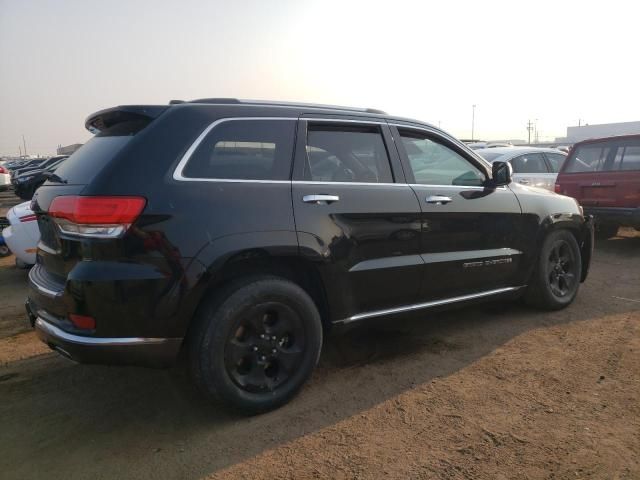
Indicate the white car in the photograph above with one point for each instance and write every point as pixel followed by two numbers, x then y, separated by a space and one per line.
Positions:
pixel 5 179
pixel 22 235
pixel 534 167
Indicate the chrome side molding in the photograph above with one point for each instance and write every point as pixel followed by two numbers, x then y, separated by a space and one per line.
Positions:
pixel 433 303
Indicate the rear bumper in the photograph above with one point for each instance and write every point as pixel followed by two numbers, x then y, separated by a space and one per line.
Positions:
pixel 626 217
pixel 150 352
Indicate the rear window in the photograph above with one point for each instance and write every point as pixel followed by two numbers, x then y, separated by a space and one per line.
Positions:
pixel 86 162
pixel 589 158
pixel 628 157
pixel 244 150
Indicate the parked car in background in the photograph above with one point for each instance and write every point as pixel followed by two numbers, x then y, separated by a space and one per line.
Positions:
pixel 243 231
pixel 5 179
pixel 604 176
pixel 27 183
pixel 534 167
pixel 24 163
pixel 22 234
pixel 43 165
pixel 4 249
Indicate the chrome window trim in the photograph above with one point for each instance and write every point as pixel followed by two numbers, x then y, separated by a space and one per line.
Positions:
pixel 178 172
pixel 433 303
pixel 105 341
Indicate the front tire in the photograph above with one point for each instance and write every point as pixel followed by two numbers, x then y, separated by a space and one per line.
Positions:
pixel 556 277
pixel 255 344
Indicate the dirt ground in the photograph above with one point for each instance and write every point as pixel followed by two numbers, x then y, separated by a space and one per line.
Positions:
pixel 498 392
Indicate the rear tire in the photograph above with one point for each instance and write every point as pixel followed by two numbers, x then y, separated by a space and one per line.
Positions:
pixel 255 344
pixel 556 277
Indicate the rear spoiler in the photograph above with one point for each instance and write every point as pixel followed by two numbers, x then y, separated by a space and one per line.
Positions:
pixel 100 121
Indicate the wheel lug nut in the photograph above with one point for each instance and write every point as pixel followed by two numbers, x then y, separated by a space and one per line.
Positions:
pixel 263 358
pixel 255 349
pixel 273 351
pixel 273 338
pixel 262 335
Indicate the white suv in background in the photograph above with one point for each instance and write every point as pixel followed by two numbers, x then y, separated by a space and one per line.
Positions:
pixel 534 167
pixel 22 235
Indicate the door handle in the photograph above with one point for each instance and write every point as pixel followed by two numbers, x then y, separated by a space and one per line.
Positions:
pixel 524 181
pixel 320 199
pixel 438 199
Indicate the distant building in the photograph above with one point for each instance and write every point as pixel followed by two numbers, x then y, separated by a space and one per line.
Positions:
pixel 583 132
pixel 69 149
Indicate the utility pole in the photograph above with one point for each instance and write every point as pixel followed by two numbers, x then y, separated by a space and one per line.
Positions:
pixel 473 121
pixel 24 143
pixel 529 130
pixel 20 150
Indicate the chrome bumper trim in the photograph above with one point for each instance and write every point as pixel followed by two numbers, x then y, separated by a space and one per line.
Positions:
pixel 434 303
pixel 105 341
pixel 43 290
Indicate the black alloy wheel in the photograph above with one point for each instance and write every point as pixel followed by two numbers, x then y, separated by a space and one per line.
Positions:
pixel 561 266
pixel 265 348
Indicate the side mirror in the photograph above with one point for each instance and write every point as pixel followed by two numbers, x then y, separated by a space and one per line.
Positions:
pixel 501 173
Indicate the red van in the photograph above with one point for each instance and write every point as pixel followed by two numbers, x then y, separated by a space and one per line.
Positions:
pixel 603 174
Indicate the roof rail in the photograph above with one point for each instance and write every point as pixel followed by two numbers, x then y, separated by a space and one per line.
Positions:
pixel 236 101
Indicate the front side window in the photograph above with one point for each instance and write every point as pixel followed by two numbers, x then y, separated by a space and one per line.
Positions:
pixel 435 164
pixel 339 153
pixel 529 163
pixel 245 150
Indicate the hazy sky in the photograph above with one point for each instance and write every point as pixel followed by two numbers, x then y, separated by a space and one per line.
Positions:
pixel 555 61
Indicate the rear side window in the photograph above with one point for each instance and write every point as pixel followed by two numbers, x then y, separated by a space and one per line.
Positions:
pixel 555 161
pixel 529 163
pixel 245 150
pixel 589 158
pixel 339 153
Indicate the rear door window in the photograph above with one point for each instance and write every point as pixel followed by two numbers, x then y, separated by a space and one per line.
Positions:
pixel 245 150
pixel 529 163
pixel 346 153
pixel 555 161
pixel 590 158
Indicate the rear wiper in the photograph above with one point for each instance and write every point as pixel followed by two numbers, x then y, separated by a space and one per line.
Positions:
pixel 52 177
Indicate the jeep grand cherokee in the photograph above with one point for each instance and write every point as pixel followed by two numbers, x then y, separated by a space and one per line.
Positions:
pixel 240 232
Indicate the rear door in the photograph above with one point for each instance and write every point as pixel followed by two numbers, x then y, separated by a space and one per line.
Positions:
pixel 471 235
pixel 604 174
pixel 531 169
pixel 356 217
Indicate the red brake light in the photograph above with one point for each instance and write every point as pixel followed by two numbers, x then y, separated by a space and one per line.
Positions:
pixel 3 170
pixel 82 321
pixel 557 188
pixel 104 217
pixel 28 218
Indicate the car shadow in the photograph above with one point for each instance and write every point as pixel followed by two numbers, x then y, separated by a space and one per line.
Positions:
pixel 62 419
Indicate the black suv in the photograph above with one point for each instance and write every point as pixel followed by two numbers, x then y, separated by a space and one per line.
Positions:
pixel 240 232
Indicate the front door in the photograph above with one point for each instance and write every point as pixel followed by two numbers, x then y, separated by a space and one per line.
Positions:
pixel 471 237
pixel 357 219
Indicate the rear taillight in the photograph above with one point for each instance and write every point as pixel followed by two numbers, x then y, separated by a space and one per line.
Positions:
pixel 557 188
pixel 83 322
pixel 95 217
pixel 3 170
pixel 28 218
